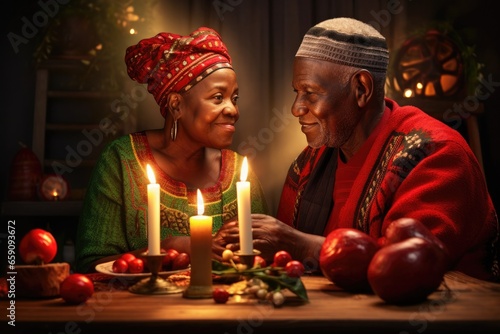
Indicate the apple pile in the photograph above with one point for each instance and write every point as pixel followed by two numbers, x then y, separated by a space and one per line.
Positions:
pixel 175 260
pixel 404 267
pixel 130 264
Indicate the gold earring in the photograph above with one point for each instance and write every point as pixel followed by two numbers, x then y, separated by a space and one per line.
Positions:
pixel 173 130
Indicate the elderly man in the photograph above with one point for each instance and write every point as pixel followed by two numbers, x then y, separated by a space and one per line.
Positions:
pixel 370 161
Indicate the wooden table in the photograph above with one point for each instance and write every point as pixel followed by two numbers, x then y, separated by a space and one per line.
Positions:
pixel 466 306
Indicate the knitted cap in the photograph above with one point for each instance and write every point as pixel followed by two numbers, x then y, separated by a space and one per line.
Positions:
pixel 173 63
pixel 346 41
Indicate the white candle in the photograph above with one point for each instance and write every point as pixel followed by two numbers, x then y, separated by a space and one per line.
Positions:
pixel 244 211
pixel 153 214
pixel 201 247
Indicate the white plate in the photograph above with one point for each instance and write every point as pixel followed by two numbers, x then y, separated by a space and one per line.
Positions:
pixel 107 268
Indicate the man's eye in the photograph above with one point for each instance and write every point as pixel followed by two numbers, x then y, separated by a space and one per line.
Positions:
pixel 235 98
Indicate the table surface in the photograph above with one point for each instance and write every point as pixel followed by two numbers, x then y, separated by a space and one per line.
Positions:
pixel 461 305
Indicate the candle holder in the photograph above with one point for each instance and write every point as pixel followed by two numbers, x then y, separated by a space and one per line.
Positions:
pixel 198 291
pixel 247 259
pixel 154 285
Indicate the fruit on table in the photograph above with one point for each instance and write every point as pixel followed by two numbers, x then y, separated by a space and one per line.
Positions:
pixel 281 258
pixel 182 261
pixel 259 261
pixel 168 259
pixel 76 289
pixel 38 246
pixel 277 298
pixel 345 256
pixel 408 271
pixel 136 266
pixel 128 257
pixel 220 295
pixel 404 228
pixel 294 268
pixel 120 266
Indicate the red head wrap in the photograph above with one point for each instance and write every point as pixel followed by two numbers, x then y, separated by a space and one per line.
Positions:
pixel 172 63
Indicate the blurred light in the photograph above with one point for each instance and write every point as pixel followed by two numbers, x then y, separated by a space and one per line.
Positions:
pixel 133 31
pixel 408 93
pixel 419 85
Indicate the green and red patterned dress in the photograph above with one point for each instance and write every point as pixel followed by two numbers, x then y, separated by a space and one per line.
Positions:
pixel 114 215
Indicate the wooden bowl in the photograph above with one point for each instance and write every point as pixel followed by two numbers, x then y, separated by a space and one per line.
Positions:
pixel 40 281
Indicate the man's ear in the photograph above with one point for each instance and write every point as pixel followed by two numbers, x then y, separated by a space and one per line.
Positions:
pixel 174 101
pixel 364 87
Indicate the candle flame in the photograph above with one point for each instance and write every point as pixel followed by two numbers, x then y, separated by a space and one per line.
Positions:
pixel 201 205
pixel 54 193
pixel 151 174
pixel 244 170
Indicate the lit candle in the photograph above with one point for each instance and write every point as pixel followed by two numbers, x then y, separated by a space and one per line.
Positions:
pixel 244 211
pixel 200 284
pixel 55 195
pixel 153 213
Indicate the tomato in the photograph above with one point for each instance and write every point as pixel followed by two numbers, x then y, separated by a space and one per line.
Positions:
pixel 170 255
pixel 136 266
pixel 181 261
pixel 281 258
pixel 37 247
pixel 120 266
pixel 128 257
pixel 76 289
pixel 294 268
pixel 407 272
pixel 345 256
pixel 220 295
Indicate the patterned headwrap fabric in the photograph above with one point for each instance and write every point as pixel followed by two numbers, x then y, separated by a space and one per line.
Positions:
pixel 346 41
pixel 169 62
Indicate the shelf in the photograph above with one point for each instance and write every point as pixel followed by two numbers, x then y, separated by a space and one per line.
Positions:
pixel 42 208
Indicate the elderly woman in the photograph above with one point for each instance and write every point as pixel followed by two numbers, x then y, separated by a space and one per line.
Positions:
pixel 195 86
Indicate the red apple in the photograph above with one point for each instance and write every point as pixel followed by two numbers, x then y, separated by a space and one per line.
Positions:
pixel 407 272
pixel 119 266
pixel 38 247
pixel 345 256
pixel 168 259
pixel 128 257
pixel 136 266
pixel 181 261
pixel 281 258
pixel 76 289
pixel 405 228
